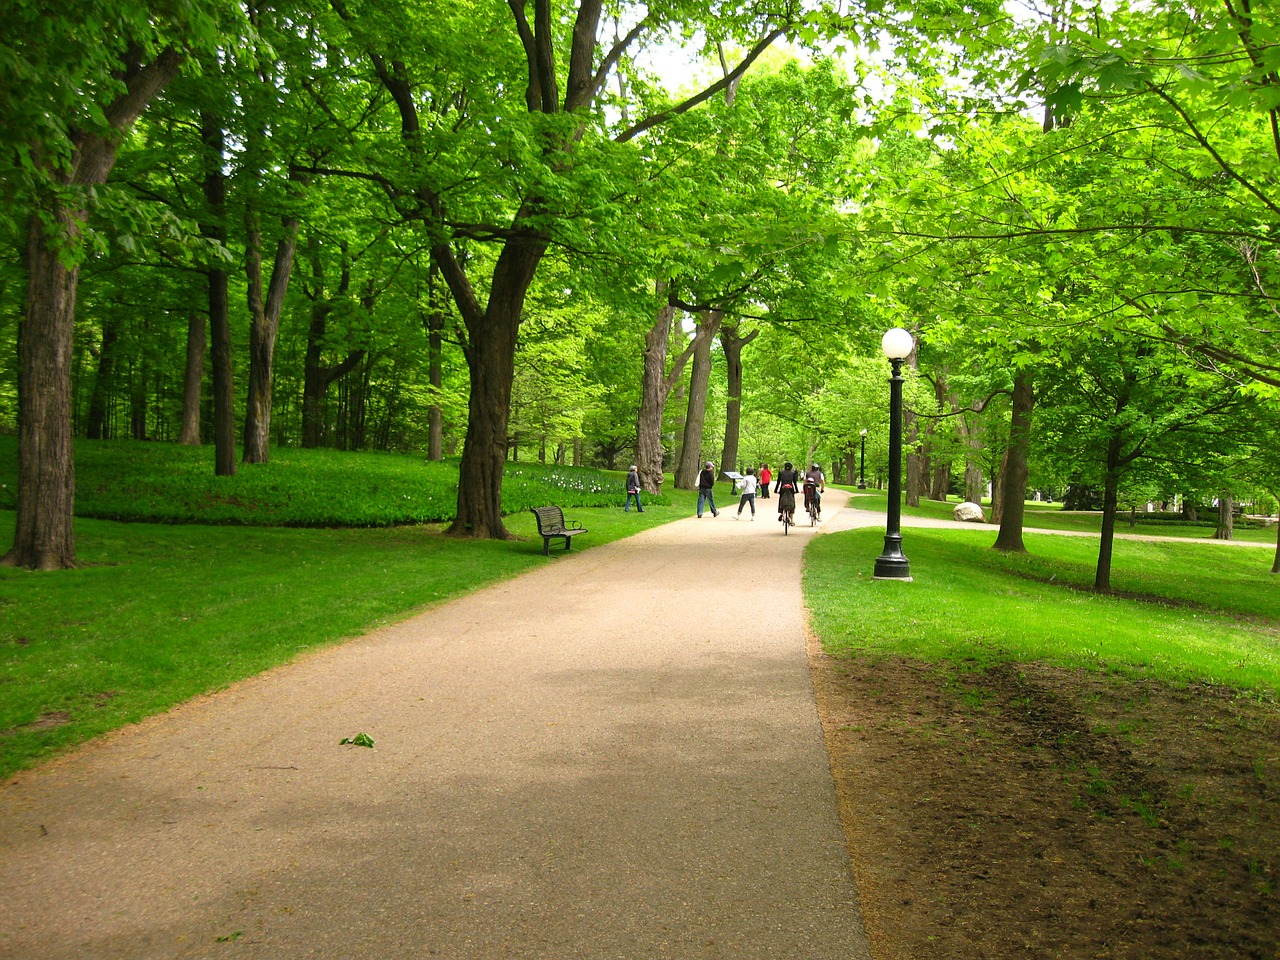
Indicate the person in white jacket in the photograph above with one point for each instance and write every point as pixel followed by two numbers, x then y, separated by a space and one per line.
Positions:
pixel 748 487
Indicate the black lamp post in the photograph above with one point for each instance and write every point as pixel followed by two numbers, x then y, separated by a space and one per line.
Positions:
pixel 862 463
pixel 897 345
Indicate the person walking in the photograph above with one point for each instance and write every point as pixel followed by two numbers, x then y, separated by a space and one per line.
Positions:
pixel 766 477
pixel 748 493
pixel 785 486
pixel 707 489
pixel 633 489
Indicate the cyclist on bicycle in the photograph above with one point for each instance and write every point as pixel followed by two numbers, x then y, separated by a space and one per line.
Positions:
pixel 785 486
pixel 815 485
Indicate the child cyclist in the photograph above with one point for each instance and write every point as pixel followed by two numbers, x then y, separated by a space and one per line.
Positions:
pixel 815 485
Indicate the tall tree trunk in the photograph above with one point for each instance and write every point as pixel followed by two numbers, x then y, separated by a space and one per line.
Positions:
pixel 940 482
pixel 1110 504
pixel 971 437
pixel 138 398
pixel 1226 518
pixel 222 372
pixel 678 397
pixel 358 435
pixel 971 441
pixel 264 324
pixel 732 345
pixel 1014 473
pixel 1275 565
pixel 490 352
pixel 915 485
pixel 699 382
pixel 313 373
pixel 313 383
pixel 940 472
pixel 1117 460
pixel 316 377
pixel 655 389
pixel 997 490
pixel 435 369
pixel 193 376
pixel 96 426
pixel 222 375
pixel 43 538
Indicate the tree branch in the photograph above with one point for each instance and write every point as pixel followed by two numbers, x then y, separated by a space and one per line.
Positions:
pixel 728 80
pixel 1203 140
pixel 532 92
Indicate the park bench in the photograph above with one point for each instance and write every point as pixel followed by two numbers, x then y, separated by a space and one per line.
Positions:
pixel 551 524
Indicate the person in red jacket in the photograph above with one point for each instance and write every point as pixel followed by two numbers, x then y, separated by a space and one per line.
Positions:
pixel 766 478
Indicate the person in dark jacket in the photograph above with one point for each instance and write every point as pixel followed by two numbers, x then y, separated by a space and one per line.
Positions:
pixel 633 490
pixel 785 486
pixel 707 489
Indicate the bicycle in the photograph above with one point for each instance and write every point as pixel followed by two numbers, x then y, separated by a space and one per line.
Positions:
pixel 787 515
pixel 811 505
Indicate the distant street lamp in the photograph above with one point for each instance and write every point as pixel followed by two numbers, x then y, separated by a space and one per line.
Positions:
pixel 862 463
pixel 897 345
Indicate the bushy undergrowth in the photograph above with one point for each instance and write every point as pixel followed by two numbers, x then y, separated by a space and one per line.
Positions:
pixel 167 483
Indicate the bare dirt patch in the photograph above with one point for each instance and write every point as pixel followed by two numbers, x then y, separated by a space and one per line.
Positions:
pixel 1035 812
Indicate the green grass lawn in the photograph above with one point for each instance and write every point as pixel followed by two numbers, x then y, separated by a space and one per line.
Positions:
pixel 1182 612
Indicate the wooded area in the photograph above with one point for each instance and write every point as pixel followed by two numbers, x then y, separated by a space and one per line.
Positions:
pixel 518 231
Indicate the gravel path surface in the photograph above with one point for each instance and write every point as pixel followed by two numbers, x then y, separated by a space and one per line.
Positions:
pixel 617 755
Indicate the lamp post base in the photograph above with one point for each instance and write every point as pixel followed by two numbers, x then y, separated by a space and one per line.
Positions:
pixel 892 564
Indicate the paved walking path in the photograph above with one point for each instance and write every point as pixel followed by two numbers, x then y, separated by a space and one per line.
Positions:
pixel 617 755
